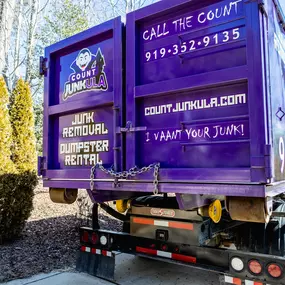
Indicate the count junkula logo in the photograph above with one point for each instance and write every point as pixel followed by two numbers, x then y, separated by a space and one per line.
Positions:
pixel 88 74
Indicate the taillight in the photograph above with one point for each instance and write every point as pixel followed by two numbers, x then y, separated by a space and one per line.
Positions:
pixel 237 264
pixel 274 270
pixel 85 236
pixel 94 238
pixel 103 240
pixel 255 267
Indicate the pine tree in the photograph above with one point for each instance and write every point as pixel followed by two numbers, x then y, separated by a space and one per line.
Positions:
pixel 6 164
pixel 22 120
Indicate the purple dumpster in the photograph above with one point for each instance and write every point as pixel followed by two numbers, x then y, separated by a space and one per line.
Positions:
pixel 186 98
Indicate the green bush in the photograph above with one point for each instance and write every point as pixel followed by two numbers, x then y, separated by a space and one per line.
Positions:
pixel 16 203
pixel 22 120
pixel 18 179
pixel 6 164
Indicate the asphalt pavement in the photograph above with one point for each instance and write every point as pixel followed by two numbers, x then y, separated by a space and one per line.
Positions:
pixel 130 270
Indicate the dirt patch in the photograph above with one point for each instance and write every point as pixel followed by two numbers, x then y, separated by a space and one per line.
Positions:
pixel 50 240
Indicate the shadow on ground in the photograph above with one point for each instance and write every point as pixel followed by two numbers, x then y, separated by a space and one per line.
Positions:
pixel 45 245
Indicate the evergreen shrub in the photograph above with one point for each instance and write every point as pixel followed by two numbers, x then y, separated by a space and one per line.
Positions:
pixel 16 203
pixel 23 135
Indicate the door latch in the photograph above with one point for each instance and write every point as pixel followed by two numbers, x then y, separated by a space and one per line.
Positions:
pixel 129 128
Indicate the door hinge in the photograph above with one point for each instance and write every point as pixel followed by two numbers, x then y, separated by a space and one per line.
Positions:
pixel 41 165
pixel 268 162
pixel 43 66
pixel 129 128
pixel 261 5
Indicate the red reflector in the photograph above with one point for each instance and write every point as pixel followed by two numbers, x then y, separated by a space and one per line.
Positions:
pixel 146 250
pixel 274 270
pixel 237 281
pixel 181 226
pixel 94 238
pixel 85 236
pixel 143 221
pixel 164 247
pixel 255 267
pixel 83 248
pixel 184 258
pixel 176 249
pixel 104 252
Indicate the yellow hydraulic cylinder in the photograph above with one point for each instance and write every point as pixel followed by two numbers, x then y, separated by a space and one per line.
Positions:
pixel 215 211
pixel 122 205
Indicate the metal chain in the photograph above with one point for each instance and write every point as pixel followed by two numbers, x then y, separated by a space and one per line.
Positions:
pixel 92 177
pixel 134 171
pixel 155 180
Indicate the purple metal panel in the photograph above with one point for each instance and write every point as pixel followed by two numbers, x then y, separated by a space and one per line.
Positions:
pixel 229 175
pixel 100 99
pixel 180 188
pixel 256 102
pixel 86 140
pixel 83 93
pixel 103 196
pixel 237 74
pixel 184 59
pixel 276 54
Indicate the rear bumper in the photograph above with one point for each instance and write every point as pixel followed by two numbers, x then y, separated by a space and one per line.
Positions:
pixel 204 258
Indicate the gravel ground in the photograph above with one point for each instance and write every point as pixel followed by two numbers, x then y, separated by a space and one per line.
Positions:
pixel 50 240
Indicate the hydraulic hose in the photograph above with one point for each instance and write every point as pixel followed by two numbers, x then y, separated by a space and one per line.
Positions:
pixel 113 212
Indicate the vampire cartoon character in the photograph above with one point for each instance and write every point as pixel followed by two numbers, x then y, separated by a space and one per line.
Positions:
pixel 84 61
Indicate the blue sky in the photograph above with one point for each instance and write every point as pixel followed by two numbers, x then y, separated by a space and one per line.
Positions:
pixel 282 4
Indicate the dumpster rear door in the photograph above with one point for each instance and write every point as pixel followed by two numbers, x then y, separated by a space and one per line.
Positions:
pixel 195 94
pixel 83 101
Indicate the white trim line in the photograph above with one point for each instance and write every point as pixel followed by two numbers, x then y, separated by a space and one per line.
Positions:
pixel 161 223
pixel 164 254
pixel 229 279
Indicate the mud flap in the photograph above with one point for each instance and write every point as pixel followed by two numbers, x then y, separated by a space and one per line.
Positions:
pixel 97 263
